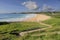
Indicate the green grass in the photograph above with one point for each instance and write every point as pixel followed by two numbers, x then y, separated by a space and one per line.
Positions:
pixel 18 26
pixel 53 21
pixel 47 34
pixel 45 37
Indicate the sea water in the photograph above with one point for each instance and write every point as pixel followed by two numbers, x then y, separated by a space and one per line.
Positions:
pixel 14 17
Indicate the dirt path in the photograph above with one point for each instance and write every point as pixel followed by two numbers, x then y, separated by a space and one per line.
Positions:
pixel 46 33
pixel 37 18
pixel 45 24
pixel 26 32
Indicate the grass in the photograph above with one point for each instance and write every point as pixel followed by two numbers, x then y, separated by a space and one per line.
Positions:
pixel 20 26
pixel 48 34
pixel 52 21
pixel 17 27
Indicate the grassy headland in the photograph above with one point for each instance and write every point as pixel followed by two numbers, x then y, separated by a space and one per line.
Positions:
pixel 10 31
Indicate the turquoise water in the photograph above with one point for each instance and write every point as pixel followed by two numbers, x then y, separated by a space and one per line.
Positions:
pixel 14 17
pixel 7 16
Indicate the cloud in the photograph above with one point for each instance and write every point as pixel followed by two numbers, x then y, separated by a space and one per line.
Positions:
pixel 23 3
pixel 47 8
pixel 30 5
pixel 44 7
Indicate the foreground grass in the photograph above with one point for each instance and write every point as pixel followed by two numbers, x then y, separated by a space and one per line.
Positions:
pixel 16 27
pixel 20 26
pixel 48 34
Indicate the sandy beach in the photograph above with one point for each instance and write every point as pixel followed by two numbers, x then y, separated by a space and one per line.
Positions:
pixel 37 18
pixel 29 18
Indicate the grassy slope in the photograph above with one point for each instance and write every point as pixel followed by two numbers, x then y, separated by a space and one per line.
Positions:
pixel 18 26
pixel 48 34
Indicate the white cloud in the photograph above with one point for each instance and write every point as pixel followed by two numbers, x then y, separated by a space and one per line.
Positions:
pixel 44 7
pixel 23 3
pixel 47 8
pixel 30 5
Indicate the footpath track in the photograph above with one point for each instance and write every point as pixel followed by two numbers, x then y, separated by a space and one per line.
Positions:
pixel 26 32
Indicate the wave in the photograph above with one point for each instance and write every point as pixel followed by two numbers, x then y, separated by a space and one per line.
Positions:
pixel 18 18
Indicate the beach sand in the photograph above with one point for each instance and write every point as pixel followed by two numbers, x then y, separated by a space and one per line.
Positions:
pixel 37 18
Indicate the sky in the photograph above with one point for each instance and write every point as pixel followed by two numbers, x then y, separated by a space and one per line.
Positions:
pixel 11 6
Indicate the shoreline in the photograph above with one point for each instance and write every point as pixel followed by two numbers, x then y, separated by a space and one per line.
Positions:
pixel 28 18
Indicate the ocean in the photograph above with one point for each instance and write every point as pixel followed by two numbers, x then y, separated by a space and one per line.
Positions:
pixel 14 17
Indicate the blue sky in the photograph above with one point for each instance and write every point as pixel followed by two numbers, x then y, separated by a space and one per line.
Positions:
pixel 9 6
